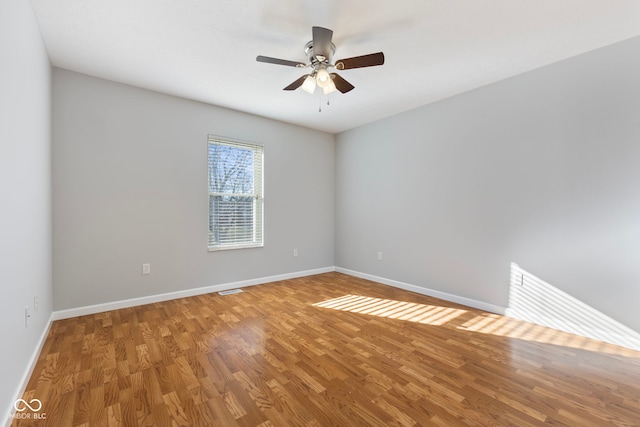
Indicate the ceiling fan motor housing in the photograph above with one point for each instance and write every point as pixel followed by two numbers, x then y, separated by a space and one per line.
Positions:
pixel 317 61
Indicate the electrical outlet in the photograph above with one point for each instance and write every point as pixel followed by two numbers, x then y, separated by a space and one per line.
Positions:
pixel 295 252
pixel 27 315
pixel 146 268
pixel 379 256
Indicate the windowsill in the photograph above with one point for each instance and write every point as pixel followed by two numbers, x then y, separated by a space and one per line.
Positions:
pixel 227 248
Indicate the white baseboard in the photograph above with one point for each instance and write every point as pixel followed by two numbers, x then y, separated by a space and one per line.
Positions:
pixel 426 291
pixel 115 305
pixel 33 360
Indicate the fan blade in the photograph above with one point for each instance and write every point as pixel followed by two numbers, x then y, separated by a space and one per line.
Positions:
pixel 295 85
pixel 277 61
pixel 341 84
pixel 322 41
pixel 360 61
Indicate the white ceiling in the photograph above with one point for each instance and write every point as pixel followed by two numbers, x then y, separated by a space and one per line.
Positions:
pixel 205 50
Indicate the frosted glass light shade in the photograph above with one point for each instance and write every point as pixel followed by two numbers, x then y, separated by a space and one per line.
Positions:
pixel 309 84
pixel 331 87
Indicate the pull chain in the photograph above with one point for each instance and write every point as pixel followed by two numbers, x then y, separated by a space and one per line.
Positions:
pixel 320 103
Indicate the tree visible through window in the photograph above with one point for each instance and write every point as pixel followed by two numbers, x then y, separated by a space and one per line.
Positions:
pixel 235 194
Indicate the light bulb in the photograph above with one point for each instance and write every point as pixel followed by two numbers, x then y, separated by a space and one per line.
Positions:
pixel 323 78
pixel 309 84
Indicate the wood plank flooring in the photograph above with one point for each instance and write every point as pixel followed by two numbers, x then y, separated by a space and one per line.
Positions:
pixel 325 350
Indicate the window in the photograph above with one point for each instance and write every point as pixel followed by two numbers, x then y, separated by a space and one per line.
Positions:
pixel 235 194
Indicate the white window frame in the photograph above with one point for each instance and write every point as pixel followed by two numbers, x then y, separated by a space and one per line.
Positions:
pixel 255 237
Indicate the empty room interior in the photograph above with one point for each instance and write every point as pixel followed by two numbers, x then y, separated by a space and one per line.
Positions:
pixel 436 222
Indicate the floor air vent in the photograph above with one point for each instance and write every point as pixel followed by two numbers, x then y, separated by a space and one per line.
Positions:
pixel 230 292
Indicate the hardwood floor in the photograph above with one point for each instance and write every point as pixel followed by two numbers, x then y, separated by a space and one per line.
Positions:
pixel 326 350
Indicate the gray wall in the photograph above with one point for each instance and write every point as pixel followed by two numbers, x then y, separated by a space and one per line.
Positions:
pixel 541 170
pixel 25 193
pixel 130 187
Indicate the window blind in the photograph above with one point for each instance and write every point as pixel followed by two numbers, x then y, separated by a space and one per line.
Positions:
pixel 235 194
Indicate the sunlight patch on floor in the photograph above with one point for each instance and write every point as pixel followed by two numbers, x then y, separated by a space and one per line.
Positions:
pixel 498 325
pixel 392 309
pixel 485 323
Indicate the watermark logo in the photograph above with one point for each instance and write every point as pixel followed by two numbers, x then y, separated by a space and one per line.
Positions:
pixel 21 405
pixel 34 405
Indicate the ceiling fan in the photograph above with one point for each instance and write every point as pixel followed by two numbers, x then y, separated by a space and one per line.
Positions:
pixel 320 52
